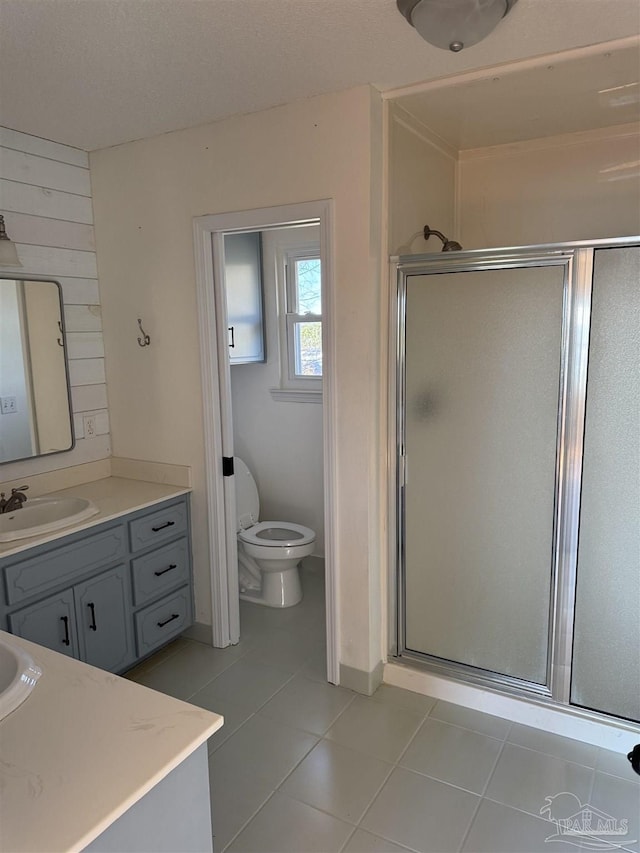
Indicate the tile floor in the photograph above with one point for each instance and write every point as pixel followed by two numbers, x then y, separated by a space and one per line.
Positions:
pixel 302 766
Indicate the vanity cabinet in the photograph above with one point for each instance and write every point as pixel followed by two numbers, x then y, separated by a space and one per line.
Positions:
pixel 90 621
pixel 109 595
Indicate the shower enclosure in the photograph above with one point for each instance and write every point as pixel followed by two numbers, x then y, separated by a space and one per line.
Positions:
pixel 518 470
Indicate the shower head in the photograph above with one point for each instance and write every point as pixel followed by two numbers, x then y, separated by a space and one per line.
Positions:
pixel 447 245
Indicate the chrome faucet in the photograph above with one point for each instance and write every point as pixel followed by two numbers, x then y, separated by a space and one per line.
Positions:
pixel 15 501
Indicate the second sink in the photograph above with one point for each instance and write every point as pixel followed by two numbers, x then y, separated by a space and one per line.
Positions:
pixel 18 675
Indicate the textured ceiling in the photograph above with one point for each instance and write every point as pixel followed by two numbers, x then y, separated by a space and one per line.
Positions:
pixel 94 73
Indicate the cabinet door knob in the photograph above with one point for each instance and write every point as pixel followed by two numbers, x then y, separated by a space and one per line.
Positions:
pixel 65 621
pixel 168 569
pixel 92 626
pixel 170 619
pixel 232 343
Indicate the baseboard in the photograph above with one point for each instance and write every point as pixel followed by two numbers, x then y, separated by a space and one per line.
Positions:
pixel 200 632
pixel 360 680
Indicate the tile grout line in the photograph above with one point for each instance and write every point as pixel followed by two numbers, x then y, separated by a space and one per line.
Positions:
pixel 248 821
pixel 279 784
pixel 266 702
pixel 233 663
pixel 394 766
pixel 468 830
pixel 481 798
pixel 550 755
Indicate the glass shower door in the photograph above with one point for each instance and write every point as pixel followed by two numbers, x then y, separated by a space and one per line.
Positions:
pixel 481 382
pixel 606 650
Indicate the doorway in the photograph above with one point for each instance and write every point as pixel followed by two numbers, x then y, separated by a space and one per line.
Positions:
pixel 209 235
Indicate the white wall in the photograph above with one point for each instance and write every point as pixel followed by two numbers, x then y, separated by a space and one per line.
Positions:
pixel 578 186
pixel 281 442
pixel 45 197
pixel 422 184
pixel 146 195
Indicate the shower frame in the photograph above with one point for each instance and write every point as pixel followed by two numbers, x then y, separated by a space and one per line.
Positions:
pixel 577 260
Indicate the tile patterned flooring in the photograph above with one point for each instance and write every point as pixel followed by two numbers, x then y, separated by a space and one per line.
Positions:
pixel 302 766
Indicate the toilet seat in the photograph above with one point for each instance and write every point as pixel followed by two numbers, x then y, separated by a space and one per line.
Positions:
pixel 277 534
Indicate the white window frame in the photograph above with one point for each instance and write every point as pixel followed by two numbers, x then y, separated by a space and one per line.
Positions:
pixel 294 388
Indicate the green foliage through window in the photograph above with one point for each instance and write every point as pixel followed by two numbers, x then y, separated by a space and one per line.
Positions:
pixel 309 286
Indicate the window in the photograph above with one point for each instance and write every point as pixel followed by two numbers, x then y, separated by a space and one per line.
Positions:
pixel 293 267
pixel 304 317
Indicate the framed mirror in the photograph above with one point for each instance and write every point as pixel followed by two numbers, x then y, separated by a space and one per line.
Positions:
pixel 35 396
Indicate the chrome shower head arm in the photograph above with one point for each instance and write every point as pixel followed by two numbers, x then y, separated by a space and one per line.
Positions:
pixel 431 232
pixel 447 244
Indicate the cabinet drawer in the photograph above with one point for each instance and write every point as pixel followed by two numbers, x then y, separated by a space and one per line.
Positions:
pixel 160 571
pixel 61 565
pixel 158 526
pixel 161 622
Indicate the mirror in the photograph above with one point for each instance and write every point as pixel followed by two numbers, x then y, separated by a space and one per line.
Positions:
pixel 35 398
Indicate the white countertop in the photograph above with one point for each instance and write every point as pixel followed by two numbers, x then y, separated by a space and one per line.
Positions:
pixel 114 497
pixel 84 747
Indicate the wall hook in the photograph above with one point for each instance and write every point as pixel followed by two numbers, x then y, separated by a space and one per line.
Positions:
pixel 60 341
pixel 145 340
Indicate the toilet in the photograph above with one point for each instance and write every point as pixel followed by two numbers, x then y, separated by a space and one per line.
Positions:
pixel 268 551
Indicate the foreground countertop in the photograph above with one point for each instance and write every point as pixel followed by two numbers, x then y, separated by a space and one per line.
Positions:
pixel 114 497
pixel 82 749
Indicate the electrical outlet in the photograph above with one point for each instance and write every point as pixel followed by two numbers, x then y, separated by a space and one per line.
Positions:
pixel 8 405
pixel 89 423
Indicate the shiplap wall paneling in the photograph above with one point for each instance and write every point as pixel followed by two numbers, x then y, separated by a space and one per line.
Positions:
pixel 45 197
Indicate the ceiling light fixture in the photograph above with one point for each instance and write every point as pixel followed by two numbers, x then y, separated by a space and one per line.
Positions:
pixel 454 24
pixel 8 251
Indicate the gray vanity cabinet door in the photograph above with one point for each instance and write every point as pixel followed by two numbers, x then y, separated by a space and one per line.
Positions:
pixel 103 612
pixel 50 623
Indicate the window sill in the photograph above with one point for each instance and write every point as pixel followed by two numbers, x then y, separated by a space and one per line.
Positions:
pixel 287 395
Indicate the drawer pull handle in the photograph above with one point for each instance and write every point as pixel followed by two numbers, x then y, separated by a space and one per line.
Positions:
pixel 66 641
pixel 92 626
pixel 170 619
pixel 162 526
pixel 168 569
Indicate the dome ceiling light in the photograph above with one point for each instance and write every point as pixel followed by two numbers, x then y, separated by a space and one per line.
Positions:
pixel 454 24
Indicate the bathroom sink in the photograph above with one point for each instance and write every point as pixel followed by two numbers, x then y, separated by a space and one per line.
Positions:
pixel 18 676
pixel 43 515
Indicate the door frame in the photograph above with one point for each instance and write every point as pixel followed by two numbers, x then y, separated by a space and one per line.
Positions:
pixel 208 234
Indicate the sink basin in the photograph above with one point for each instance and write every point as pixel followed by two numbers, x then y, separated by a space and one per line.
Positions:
pixel 18 676
pixel 43 515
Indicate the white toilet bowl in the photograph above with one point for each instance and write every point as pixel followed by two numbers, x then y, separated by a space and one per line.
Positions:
pixel 268 551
